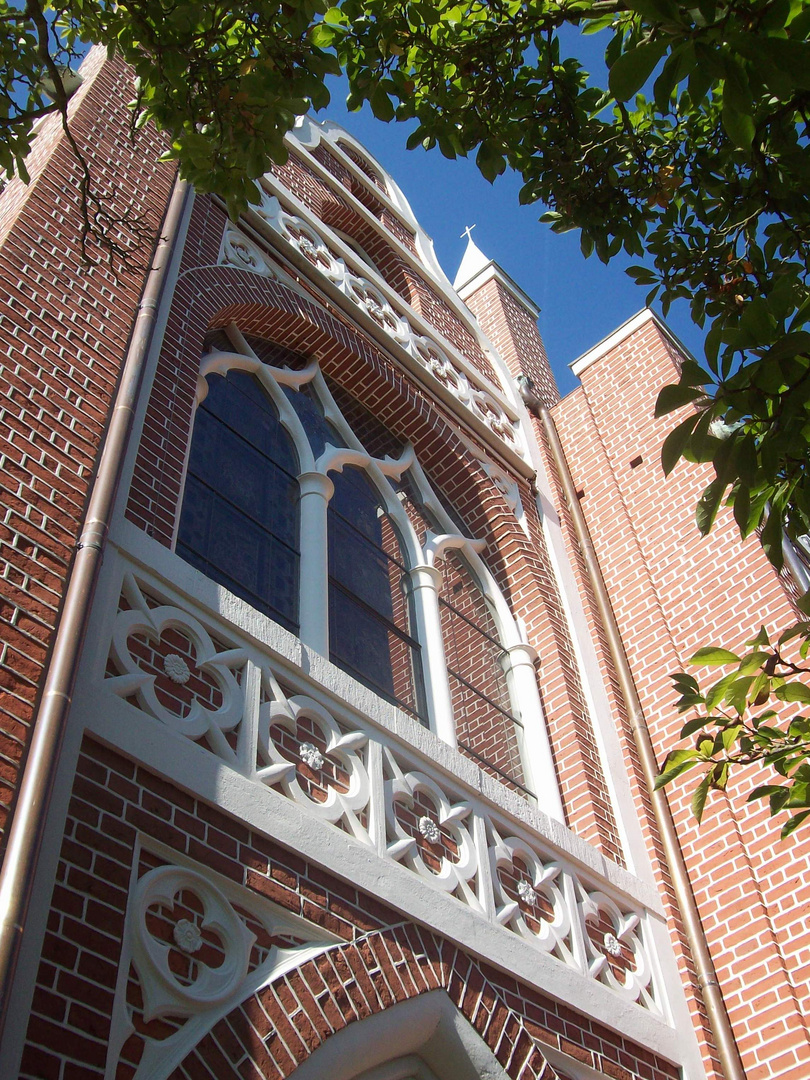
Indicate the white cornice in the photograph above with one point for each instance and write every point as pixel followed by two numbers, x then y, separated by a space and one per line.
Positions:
pixel 641 318
pixel 487 273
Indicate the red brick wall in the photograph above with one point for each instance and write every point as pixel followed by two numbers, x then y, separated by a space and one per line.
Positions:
pixel 673 592
pixel 383 960
pixel 512 329
pixel 59 371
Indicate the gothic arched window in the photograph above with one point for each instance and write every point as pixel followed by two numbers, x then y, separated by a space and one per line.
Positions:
pixel 369 617
pixel 487 728
pixel 301 502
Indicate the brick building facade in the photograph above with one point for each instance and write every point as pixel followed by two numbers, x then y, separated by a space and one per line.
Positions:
pixel 324 768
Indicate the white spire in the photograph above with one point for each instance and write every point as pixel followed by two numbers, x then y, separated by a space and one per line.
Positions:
pixel 473 263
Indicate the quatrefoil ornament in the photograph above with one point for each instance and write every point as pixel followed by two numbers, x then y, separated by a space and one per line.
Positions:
pixel 164 994
pixel 616 951
pixel 150 624
pixel 339 753
pixel 413 792
pixel 528 894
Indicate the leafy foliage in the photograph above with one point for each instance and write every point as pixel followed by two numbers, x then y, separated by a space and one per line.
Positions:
pixel 693 154
pixel 226 82
pixel 741 719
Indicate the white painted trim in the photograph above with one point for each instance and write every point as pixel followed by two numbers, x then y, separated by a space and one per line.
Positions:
pixel 493 271
pixel 424 1038
pixel 347 699
pixel 634 323
pixel 197 771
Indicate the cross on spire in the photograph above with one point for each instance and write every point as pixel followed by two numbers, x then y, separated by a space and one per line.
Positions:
pixel 468 232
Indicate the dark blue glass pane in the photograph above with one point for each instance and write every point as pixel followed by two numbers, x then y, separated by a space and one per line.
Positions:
pixel 359 642
pixel 242 404
pixel 239 522
pixel 357 501
pixel 360 567
pixel 319 430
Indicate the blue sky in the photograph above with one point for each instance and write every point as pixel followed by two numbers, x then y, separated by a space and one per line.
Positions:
pixel 581 300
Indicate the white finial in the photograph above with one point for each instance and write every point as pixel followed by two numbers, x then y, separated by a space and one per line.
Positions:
pixel 467 232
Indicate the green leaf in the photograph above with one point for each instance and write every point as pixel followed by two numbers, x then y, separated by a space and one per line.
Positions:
pixel 676 441
pixel 764 791
pixel 671 771
pixel 675 396
pixel 794 823
pixel 753 662
pixel 709 504
pixel 632 69
pixel 793 692
pixel 697 724
pixel 381 104
pixel 699 797
pixel 739 126
pixel 713 657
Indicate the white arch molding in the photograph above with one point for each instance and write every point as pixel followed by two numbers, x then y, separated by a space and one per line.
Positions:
pixel 425 1038
pixel 423 561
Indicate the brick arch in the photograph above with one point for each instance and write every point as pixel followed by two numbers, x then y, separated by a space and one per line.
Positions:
pixel 339 215
pixel 211 296
pixel 276 1029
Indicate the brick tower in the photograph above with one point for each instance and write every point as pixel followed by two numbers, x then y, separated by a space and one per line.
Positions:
pixel 315 759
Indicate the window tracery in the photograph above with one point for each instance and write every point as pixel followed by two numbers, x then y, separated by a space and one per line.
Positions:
pixel 372 572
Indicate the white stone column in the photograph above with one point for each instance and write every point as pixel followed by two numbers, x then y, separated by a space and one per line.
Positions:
pixel 313 572
pixel 426 582
pixel 522 679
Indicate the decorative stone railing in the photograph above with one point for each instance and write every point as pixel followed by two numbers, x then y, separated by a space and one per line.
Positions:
pixel 262 720
pixel 238 250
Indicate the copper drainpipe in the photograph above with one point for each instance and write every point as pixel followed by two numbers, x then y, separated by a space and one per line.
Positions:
pixel 719 1023
pixel 28 824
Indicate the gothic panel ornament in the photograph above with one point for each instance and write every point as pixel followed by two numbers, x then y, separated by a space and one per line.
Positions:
pixel 426 832
pixel 237 250
pixel 208 700
pixel 197 947
pixel 615 951
pixel 529 895
pixel 355 777
pixel 303 751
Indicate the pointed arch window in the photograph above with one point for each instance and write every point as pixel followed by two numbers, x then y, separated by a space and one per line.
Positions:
pixel 369 607
pixel 298 500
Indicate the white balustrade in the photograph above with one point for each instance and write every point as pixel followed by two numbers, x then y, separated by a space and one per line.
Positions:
pixel 371 788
